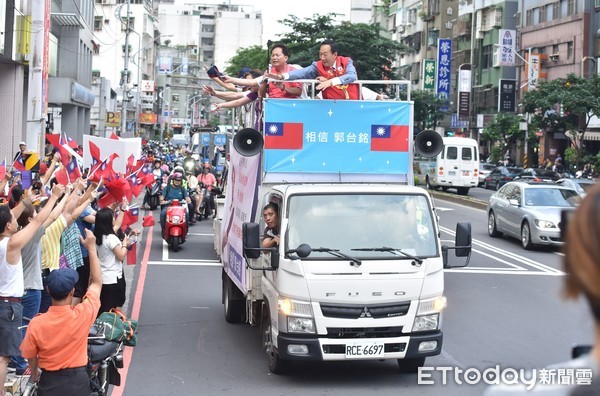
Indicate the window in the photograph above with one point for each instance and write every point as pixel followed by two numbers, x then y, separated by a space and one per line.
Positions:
pixel 131 24
pixel 569 50
pixel 434 7
pixel 432 37
pixel 529 18
pixel 555 49
pixel 467 154
pixel 175 98
pixel 95 49
pixel 597 3
pixel 97 23
pixel 556 10
pixel 571 7
pixel 452 153
pixel 543 14
pixel 488 57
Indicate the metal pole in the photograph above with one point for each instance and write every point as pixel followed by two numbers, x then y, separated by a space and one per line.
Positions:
pixel 138 99
pixel 125 78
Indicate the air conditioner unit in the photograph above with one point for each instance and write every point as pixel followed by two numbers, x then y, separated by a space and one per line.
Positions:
pixel 553 57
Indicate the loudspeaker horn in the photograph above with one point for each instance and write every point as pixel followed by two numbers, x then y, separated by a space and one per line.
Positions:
pixel 429 143
pixel 248 142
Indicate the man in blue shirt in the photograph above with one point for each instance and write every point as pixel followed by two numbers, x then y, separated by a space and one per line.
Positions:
pixel 174 190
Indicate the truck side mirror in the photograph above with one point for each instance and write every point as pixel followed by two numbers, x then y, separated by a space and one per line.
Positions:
pixel 462 245
pixel 463 239
pixel 303 250
pixel 251 240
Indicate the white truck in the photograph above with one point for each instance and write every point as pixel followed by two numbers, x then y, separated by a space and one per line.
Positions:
pixel 359 271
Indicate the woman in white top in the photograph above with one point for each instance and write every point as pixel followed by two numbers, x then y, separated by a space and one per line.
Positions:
pixel 111 252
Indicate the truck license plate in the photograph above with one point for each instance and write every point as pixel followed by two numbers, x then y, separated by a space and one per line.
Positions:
pixel 364 349
pixel 451 173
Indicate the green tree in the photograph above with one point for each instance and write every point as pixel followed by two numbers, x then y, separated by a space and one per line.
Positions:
pixel 252 57
pixel 504 131
pixel 428 109
pixel 565 105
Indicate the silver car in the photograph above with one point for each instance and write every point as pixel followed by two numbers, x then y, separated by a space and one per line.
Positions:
pixel 530 211
pixel 582 186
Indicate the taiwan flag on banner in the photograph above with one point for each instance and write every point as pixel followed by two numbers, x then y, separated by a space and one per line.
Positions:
pixel 389 138
pixel 284 135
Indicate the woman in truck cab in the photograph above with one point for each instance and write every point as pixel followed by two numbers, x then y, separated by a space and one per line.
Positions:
pixel 271 218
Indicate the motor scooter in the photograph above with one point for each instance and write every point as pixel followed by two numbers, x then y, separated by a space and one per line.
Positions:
pixel 205 206
pixel 176 225
pixel 154 192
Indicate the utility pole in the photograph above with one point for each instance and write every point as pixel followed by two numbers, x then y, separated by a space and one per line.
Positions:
pixel 125 76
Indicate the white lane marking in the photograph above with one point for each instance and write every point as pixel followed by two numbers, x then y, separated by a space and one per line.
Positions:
pixel 521 259
pixel 201 234
pixel 442 209
pixel 499 271
pixel 199 307
pixel 197 263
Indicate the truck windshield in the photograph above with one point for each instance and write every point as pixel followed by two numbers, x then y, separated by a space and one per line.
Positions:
pixel 348 221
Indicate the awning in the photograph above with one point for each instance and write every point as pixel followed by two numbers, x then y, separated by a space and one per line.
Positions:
pixel 591 135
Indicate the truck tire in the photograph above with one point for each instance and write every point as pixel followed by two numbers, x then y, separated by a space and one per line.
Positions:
pixel 233 302
pixel 276 364
pixel 411 366
pixel 462 190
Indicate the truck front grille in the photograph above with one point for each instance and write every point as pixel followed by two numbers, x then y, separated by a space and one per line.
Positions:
pixel 364 332
pixel 376 311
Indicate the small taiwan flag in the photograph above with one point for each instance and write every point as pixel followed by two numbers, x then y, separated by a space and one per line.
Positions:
pixel 389 138
pixel 130 217
pixel 284 135
pixel 132 254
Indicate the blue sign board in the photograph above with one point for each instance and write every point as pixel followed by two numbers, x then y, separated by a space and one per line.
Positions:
pixel 442 86
pixel 220 139
pixel 205 138
pixel 341 136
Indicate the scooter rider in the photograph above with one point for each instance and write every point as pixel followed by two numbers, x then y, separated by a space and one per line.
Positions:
pixel 174 190
pixel 158 173
pixel 209 180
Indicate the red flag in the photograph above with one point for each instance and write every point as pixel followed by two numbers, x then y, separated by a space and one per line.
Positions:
pixel 103 169
pixel 130 164
pixel 114 136
pixel 135 184
pixel 71 142
pixel 62 177
pixel 73 169
pixel 131 217
pixel 119 189
pixel 148 221
pixel 95 153
pixel 2 170
pixel 284 135
pixel 19 163
pixel 389 137
pixel 106 200
pixel 132 254
pixel 54 139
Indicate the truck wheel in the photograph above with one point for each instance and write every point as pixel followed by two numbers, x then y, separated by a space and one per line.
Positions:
pixel 276 365
pixel 411 366
pixel 233 302
pixel 462 190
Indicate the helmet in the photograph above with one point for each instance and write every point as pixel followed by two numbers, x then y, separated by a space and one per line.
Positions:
pixel 177 176
pixel 179 169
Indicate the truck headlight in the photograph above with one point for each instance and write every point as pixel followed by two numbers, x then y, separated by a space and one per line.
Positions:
pixel 300 325
pixel 426 322
pixel 296 315
pixel 545 224
pixel 432 305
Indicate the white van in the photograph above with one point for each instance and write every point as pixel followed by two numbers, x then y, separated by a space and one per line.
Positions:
pixel 456 166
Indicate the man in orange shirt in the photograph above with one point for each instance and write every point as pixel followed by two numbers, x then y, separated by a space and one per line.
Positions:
pixel 56 341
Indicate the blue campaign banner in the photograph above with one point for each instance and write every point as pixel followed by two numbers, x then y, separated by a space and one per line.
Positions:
pixel 220 139
pixel 342 136
pixel 205 139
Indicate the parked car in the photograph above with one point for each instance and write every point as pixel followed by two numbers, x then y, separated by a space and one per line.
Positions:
pixel 500 176
pixel 484 170
pixel 530 211
pixel 538 175
pixel 582 186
